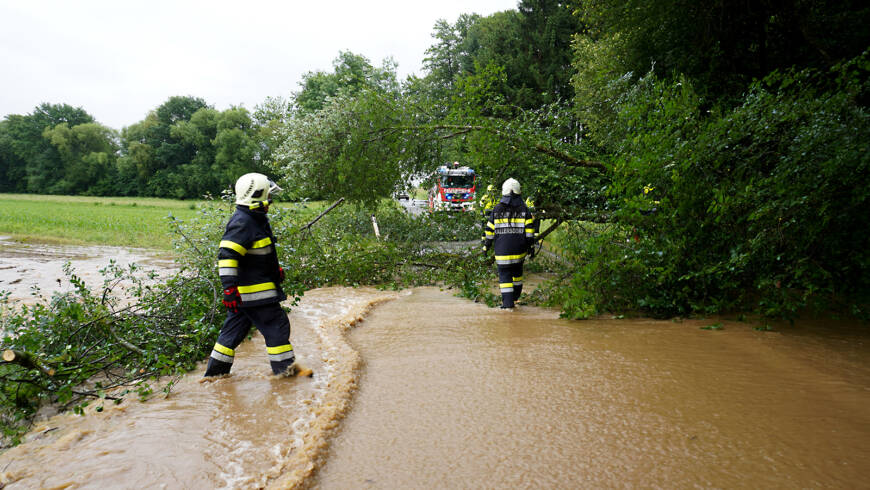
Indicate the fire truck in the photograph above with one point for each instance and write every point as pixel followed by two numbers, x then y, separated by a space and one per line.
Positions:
pixel 454 188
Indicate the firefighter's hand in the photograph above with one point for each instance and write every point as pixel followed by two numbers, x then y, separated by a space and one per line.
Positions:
pixel 281 274
pixel 232 299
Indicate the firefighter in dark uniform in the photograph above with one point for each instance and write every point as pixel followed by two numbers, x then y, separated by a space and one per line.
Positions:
pixel 510 233
pixel 536 226
pixel 251 279
pixel 487 202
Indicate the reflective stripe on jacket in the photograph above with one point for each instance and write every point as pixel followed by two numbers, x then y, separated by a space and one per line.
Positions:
pixel 511 230
pixel 247 258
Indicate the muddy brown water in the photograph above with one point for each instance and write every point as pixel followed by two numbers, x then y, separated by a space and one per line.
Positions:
pixel 29 267
pixel 421 389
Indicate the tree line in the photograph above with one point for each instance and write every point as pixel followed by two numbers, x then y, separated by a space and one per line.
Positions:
pixel 183 149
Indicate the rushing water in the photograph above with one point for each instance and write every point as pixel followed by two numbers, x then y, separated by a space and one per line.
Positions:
pixel 433 391
pixel 249 430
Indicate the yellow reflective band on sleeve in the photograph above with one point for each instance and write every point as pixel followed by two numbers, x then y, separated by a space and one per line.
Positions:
pixel 233 246
pixel 530 230
pixel 490 225
pixel 228 263
pixel 256 288
pixel 530 221
pixel 279 349
pixel 262 243
pixel 224 350
pixel 505 285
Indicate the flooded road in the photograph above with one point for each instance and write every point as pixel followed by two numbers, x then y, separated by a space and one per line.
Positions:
pixel 420 389
pixel 457 395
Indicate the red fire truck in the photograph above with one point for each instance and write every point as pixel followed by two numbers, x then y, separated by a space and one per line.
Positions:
pixel 454 188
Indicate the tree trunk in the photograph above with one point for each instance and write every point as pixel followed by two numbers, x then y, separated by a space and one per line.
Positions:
pixel 26 360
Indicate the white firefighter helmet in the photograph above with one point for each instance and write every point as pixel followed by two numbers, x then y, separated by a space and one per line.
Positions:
pixel 253 190
pixel 510 186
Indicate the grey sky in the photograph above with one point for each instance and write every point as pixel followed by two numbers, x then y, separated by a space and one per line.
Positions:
pixel 119 59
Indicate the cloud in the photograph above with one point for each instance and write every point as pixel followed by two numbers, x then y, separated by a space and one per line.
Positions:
pixel 118 60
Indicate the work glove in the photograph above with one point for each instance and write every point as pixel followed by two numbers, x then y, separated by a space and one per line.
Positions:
pixel 232 299
pixel 281 274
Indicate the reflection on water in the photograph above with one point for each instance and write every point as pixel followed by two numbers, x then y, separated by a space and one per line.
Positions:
pixel 435 391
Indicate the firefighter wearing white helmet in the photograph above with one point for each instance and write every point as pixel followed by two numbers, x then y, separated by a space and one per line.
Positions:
pixel 510 233
pixel 251 279
pixel 253 190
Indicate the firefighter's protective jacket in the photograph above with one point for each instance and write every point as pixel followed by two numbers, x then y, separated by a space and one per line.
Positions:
pixel 510 230
pixel 536 224
pixel 487 203
pixel 247 258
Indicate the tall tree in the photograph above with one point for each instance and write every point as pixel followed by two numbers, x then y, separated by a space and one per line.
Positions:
pixel 451 55
pixel 268 119
pixel 311 160
pixel 351 74
pixel 88 153
pixel 546 28
pixel 30 161
pixel 235 146
pixel 726 44
pixel 13 167
pixel 150 147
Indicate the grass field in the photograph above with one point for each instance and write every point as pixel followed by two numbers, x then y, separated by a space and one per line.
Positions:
pixel 121 221
pixel 82 220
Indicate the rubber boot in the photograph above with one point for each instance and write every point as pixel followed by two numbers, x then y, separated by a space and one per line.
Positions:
pixel 217 368
pixel 285 367
pixel 296 369
pixel 507 301
pixel 518 289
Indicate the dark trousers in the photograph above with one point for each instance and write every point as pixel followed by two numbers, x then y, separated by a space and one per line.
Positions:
pixel 510 282
pixel 271 320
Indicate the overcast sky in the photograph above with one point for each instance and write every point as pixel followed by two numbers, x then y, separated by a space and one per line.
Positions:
pixel 120 59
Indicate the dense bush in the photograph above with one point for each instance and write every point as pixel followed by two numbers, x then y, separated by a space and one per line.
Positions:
pixel 762 206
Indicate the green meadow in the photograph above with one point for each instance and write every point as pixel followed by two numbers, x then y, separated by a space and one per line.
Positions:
pixel 120 221
pixel 79 220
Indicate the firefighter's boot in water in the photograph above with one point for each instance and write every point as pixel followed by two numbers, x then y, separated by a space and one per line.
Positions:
pixel 296 370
